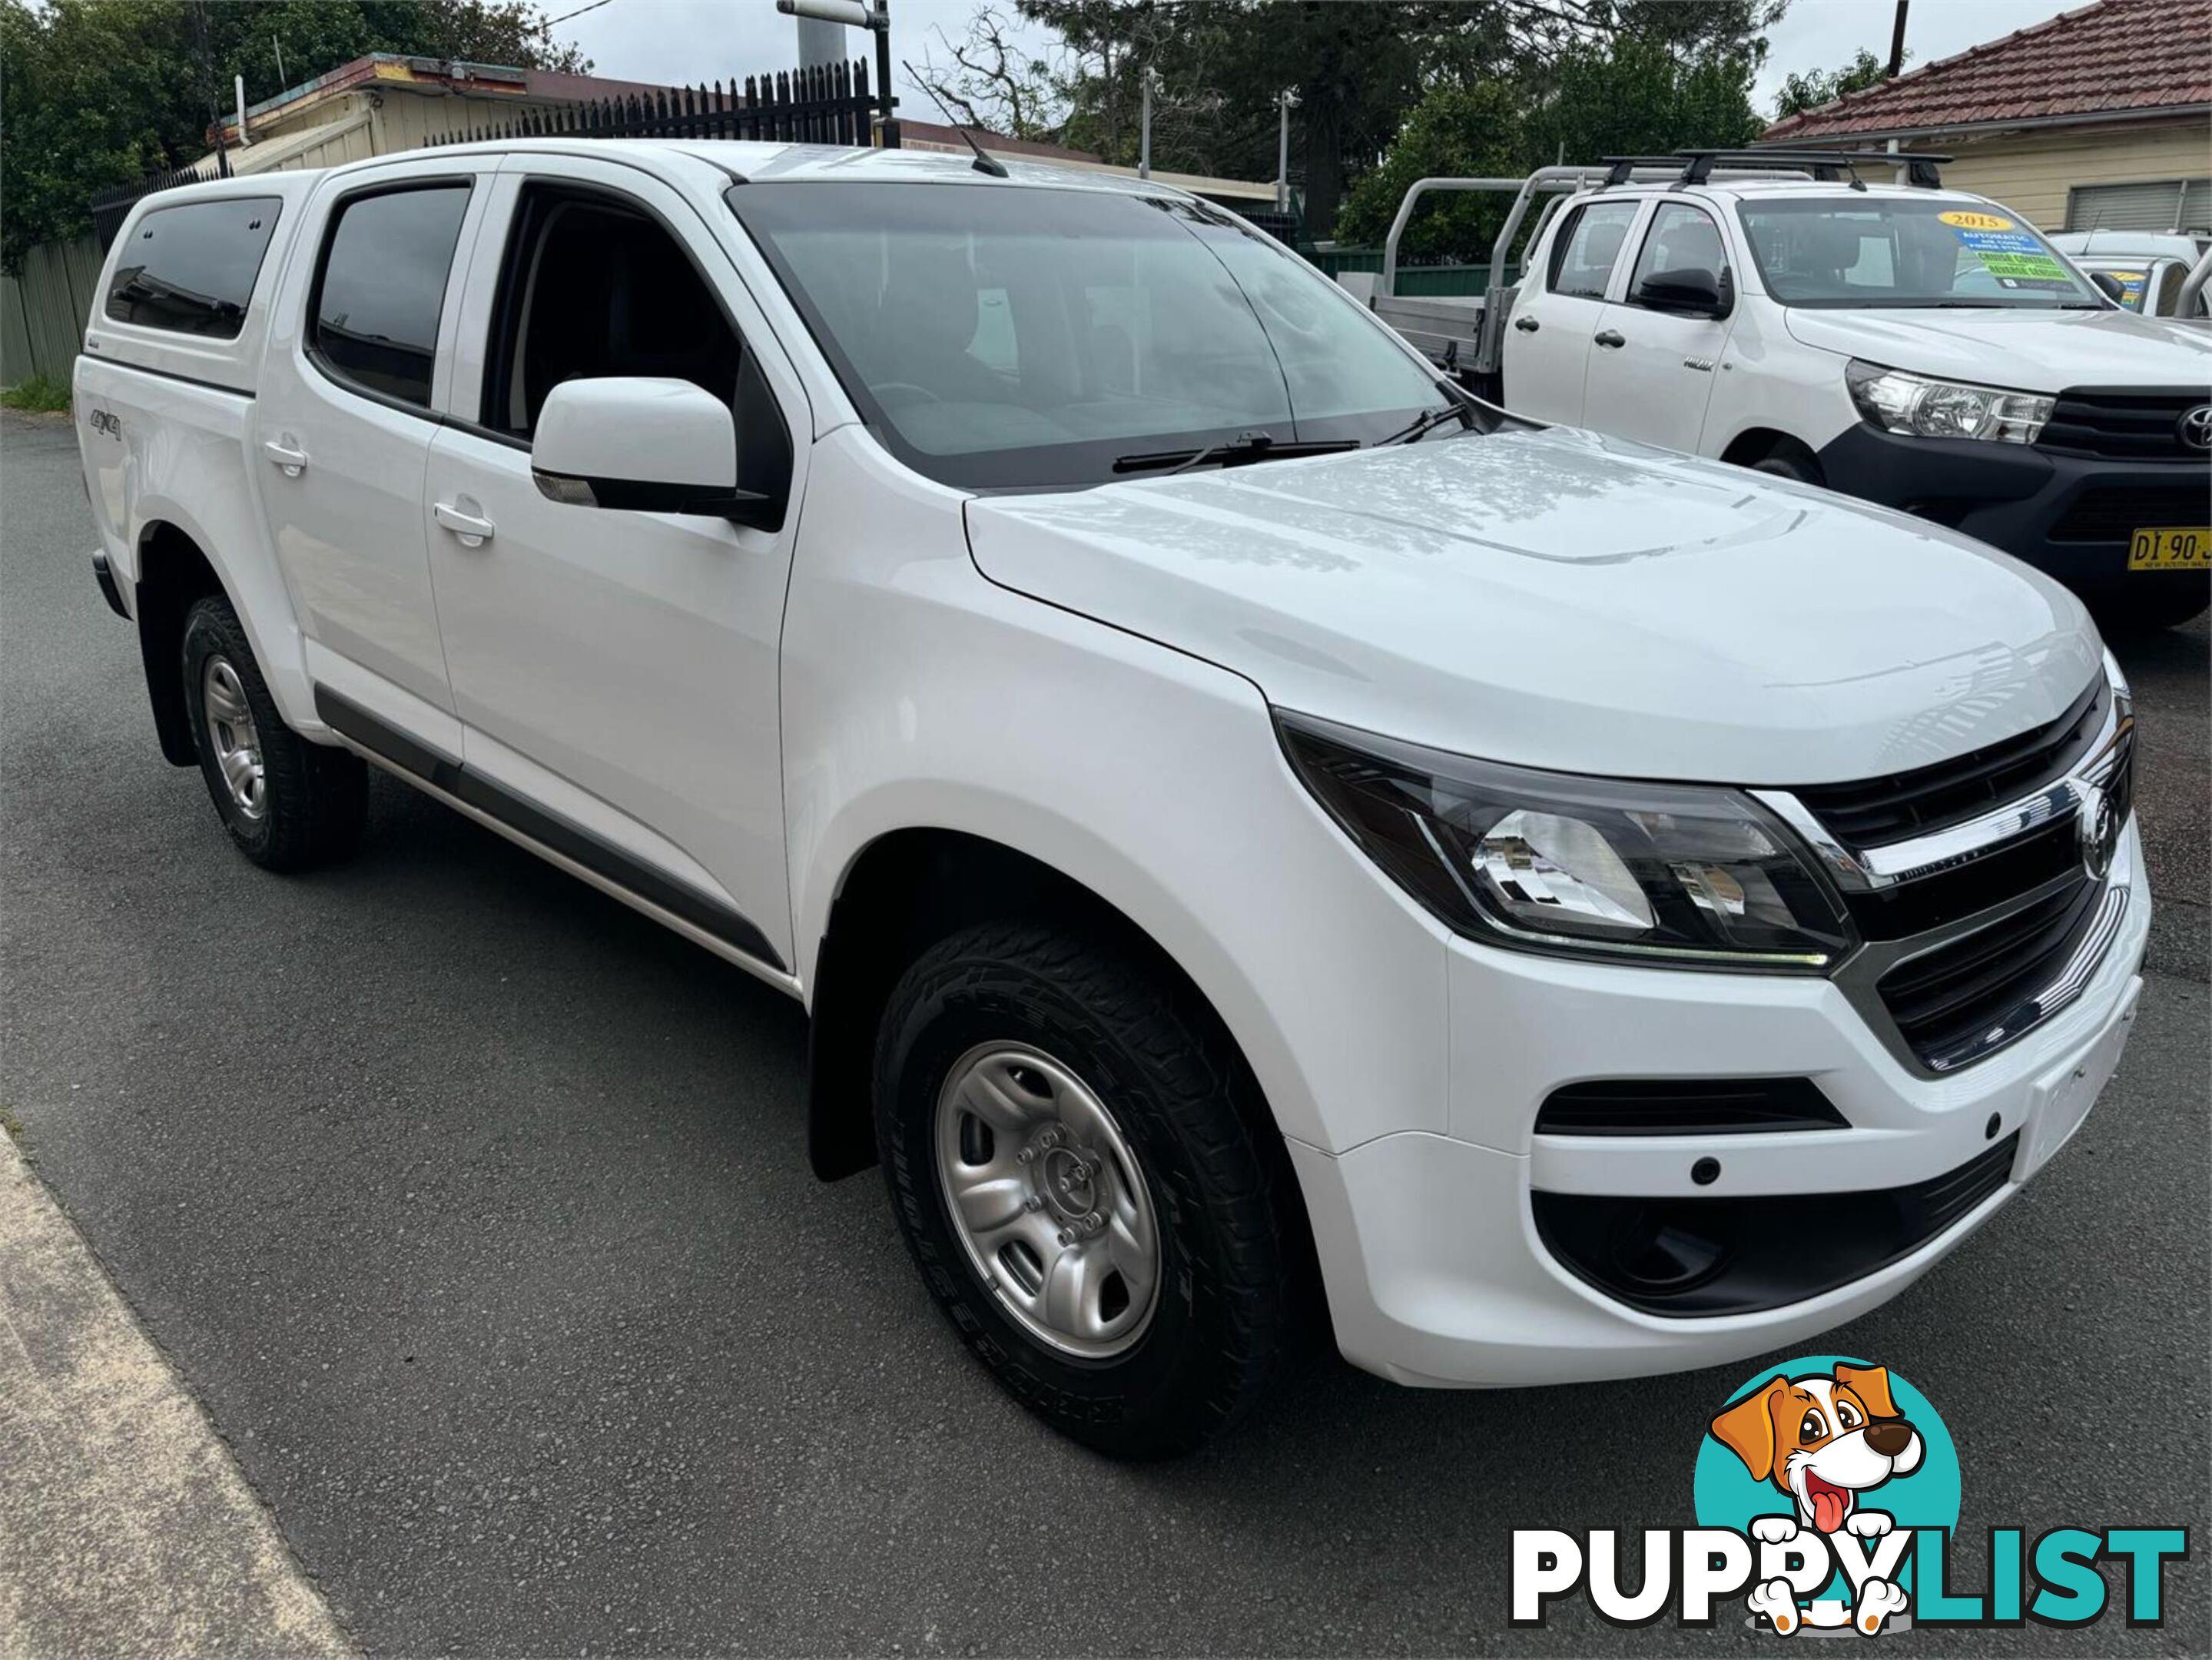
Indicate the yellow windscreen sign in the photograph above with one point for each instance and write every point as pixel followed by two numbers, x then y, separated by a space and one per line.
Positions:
pixel 1966 221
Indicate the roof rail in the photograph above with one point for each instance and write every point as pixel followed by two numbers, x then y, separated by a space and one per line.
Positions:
pixel 1623 167
pixel 1920 170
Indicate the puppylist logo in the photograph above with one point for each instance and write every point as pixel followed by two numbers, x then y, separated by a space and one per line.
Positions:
pixel 1827 1492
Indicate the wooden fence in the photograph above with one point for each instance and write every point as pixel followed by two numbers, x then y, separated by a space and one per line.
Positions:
pixel 42 311
pixel 825 104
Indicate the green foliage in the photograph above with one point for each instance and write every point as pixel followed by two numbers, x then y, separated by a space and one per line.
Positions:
pixel 95 93
pixel 1638 96
pixel 37 394
pixel 1817 86
pixel 1470 132
pixel 1361 70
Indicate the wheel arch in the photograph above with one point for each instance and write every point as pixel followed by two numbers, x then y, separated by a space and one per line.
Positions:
pixel 1756 444
pixel 174 571
pixel 910 887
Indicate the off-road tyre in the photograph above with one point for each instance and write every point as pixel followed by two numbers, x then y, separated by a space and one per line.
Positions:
pixel 313 799
pixel 1172 1080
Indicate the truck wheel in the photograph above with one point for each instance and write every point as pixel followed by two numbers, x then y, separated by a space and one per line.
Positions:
pixel 1068 1162
pixel 2122 609
pixel 1785 465
pixel 287 803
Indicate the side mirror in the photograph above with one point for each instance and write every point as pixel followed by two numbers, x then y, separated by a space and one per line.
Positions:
pixel 645 444
pixel 2110 286
pixel 1691 291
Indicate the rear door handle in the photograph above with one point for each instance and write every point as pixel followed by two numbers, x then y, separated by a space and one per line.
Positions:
pixel 286 453
pixel 474 531
pixel 1609 338
pixel 1527 325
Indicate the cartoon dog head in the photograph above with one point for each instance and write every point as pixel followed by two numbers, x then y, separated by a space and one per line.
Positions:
pixel 1823 1440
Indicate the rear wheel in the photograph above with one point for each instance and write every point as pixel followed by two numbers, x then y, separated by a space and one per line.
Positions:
pixel 1080 1185
pixel 287 803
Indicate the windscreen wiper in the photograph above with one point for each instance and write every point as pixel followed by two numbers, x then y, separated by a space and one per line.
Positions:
pixel 1424 423
pixel 1240 451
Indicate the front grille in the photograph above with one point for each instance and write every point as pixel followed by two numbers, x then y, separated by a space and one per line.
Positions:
pixel 1966 989
pixel 1873 811
pixel 2113 514
pixel 1951 895
pixel 2127 425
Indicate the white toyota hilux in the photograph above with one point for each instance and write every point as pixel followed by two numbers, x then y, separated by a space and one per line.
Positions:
pixel 1240 815
pixel 1914 346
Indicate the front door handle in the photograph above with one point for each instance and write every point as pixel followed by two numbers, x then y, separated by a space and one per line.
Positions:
pixel 1609 338
pixel 473 530
pixel 286 452
pixel 1527 325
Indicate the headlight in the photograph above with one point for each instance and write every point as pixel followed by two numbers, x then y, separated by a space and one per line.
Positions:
pixel 1669 874
pixel 1897 402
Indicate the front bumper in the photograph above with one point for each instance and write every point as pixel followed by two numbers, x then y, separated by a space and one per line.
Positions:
pixel 2026 500
pixel 1436 1272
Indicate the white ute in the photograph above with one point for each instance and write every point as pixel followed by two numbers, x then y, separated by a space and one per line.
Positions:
pixel 1910 345
pixel 1232 806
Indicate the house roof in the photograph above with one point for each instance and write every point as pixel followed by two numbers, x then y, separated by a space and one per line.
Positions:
pixel 2121 58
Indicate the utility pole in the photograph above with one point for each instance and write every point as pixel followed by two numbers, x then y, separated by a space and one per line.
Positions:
pixel 1897 38
pixel 1149 80
pixel 278 47
pixel 1287 101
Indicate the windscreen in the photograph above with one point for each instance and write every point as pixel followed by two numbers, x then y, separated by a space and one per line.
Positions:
pixel 1002 336
pixel 1860 251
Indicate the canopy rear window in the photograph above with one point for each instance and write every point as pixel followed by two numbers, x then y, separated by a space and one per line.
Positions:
pixel 190 268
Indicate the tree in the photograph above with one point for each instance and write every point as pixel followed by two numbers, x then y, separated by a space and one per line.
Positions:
pixel 1359 69
pixel 986 81
pixel 1814 87
pixel 1638 96
pixel 96 92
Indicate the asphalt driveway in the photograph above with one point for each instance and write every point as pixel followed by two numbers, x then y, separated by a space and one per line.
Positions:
pixel 476 1211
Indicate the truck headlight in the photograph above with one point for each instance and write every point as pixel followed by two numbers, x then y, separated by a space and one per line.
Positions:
pixel 1663 873
pixel 1898 402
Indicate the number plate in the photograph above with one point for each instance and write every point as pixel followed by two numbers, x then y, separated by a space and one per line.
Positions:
pixel 2167 548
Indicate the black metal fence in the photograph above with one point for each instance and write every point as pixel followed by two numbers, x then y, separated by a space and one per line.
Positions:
pixel 109 208
pixel 824 103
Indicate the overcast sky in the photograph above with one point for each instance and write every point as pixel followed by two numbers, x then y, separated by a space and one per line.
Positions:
pixel 692 40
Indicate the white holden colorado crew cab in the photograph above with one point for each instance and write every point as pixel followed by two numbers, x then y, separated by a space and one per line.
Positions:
pixel 1240 815
pixel 1910 345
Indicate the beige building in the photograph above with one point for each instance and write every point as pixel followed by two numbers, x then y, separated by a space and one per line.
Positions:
pixel 385 103
pixel 2100 117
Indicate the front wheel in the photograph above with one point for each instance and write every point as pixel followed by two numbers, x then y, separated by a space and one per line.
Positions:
pixel 1076 1170
pixel 1782 464
pixel 2161 599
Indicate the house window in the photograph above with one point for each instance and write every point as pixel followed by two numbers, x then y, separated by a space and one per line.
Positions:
pixel 2165 204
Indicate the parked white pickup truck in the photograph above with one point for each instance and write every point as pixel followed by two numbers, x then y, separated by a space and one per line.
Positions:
pixel 1914 346
pixel 1229 808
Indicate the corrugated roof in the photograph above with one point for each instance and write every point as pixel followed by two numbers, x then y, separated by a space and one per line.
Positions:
pixel 2119 57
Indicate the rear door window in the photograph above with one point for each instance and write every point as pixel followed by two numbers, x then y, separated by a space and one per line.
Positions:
pixel 191 269
pixel 1587 247
pixel 382 286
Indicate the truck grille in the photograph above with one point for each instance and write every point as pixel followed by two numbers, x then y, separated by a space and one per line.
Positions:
pixel 2129 425
pixel 1950 997
pixel 1992 931
pixel 2110 514
pixel 1873 812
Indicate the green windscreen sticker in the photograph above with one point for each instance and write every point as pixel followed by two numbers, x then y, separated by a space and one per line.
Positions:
pixel 2014 257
